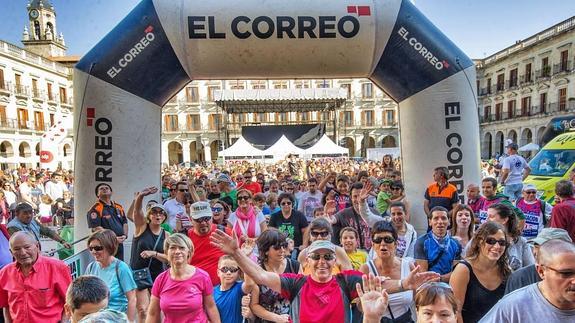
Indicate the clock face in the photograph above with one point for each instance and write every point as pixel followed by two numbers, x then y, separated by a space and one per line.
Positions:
pixel 34 13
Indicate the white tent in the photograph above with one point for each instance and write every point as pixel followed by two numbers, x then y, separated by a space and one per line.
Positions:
pixel 529 147
pixel 325 146
pixel 241 148
pixel 282 148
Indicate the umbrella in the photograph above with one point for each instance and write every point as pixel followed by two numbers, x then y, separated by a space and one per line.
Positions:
pixel 529 147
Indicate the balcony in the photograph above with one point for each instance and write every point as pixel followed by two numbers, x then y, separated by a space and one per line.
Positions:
pixel 511 83
pixel 526 79
pixel 484 91
pixel 21 90
pixel 563 67
pixel 543 73
pixel 15 124
pixel 4 87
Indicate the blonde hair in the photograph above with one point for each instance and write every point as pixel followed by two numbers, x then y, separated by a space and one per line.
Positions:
pixel 180 240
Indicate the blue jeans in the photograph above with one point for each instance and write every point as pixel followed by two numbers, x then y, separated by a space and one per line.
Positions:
pixel 513 191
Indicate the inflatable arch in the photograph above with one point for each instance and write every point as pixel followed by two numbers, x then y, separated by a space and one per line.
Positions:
pixel 122 83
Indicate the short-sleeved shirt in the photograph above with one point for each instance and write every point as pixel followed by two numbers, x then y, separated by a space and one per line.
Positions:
pixel 357 258
pixel 563 216
pixel 112 217
pixel 183 300
pixel 522 277
pixel 429 248
pixel 119 280
pixel 38 297
pixel 527 305
pixel 446 196
pixel 229 303
pixel 291 226
pixel 205 255
pixel 516 164
pixel 175 210
pixel 320 302
pixel 230 198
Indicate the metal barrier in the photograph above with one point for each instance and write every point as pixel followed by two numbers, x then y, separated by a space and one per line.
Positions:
pixel 78 263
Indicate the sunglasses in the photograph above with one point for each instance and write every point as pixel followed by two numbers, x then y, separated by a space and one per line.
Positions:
pixel 530 192
pixel 182 190
pixel 492 241
pixel 217 209
pixel 326 257
pixel 396 188
pixel 286 203
pixel 96 248
pixel 281 245
pixel 172 189
pixel 245 198
pixel 203 219
pixel 386 239
pixel 323 234
pixel 227 269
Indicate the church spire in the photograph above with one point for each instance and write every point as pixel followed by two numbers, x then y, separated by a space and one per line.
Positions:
pixel 42 37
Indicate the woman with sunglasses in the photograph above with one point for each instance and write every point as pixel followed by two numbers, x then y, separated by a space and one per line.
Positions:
pixel 267 305
pixel 519 251
pixel 147 245
pixel 398 195
pixel 463 224
pixel 184 293
pixel 478 282
pixel 220 212
pixel 103 245
pixel 247 222
pixel 387 264
pixel 291 222
pixel 435 302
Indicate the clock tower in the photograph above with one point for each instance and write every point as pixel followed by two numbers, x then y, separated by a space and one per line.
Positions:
pixel 41 36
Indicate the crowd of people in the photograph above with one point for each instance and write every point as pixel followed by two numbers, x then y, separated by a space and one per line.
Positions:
pixel 327 240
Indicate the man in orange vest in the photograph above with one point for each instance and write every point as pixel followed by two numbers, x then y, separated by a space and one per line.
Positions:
pixel 107 214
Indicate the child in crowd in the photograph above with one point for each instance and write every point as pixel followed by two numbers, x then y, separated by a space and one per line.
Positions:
pixel 318 212
pixel 341 196
pixel 348 239
pixel 45 209
pixel 384 195
pixel 228 294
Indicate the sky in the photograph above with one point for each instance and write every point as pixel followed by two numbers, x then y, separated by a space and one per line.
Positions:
pixel 479 27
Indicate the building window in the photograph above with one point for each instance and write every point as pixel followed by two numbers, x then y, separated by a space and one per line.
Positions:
pixel 261 117
pixel 215 121
pixel 525 105
pixel 389 118
pixel 528 73
pixel 562 99
pixel 259 85
pixel 63 96
pixel 237 85
pixel 239 117
pixel 192 94
pixel 347 88
pixel 50 93
pixel 486 113
pixel 282 117
pixel 302 84
pixel 35 91
pixel 367 118
pixel 513 77
pixel 510 109
pixel 564 65
pixel 303 116
pixel 22 118
pixel 543 102
pixel 498 111
pixel 193 122
pixel 545 68
pixel 280 85
pixel 324 116
pixel 52 120
pixel 367 90
pixel 171 122
pixel 500 82
pixel 3 120
pixel 489 86
pixel 211 90
pixel 2 83
pixel 348 118
pixel 38 120
pixel 324 84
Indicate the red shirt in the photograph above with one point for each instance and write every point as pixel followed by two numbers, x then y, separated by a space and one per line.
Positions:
pixel 253 187
pixel 205 255
pixel 38 297
pixel 563 216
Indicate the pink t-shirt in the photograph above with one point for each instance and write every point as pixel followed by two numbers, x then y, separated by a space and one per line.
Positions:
pixel 182 300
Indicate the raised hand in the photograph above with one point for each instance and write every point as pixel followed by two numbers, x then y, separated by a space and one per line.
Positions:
pixel 224 242
pixel 416 279
pixel 374 298
pixel 149 191
pixel 364 193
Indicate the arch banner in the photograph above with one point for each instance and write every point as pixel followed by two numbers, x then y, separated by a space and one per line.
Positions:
pixel 122 83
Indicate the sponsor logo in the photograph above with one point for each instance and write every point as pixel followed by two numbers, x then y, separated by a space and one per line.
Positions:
pixel 265 27
pixel 46 156
pixel 133 52
pixel 422 50
pixel 454 142
pixel 102 145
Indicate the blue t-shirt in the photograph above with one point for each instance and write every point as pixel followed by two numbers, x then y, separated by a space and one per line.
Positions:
pixel 118 300
pixel 229 303
pixel 428 248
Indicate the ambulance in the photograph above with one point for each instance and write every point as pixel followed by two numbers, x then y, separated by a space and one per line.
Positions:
pixel 557 158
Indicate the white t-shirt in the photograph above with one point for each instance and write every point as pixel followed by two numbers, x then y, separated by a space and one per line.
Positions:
pixel 174 209
pixel 516 164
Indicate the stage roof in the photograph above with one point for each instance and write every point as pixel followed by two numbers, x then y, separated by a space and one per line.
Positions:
pixel 280 100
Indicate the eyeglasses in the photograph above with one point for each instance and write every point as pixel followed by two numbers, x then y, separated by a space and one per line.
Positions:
pixel 245 198
pixel 567 274
pixel 386 239
pixel 96 248
pixel 286 203
pixel 281 245
pixel 217 209
pixel 182 190
pixel 326 257
pixel 203 219
pixel 323 234
pixel 227 269
pixel 492 241
pixel 434 284
pixel 158 211
pixel 530 192
pixel 172 189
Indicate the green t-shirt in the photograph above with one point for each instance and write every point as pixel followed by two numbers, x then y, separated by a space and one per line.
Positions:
pixel 381 203
pixel 233 195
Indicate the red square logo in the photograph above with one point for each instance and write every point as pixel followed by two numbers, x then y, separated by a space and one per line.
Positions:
pixel 89 122
pixel 363 11
pixel 351 9
pixel 91 112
